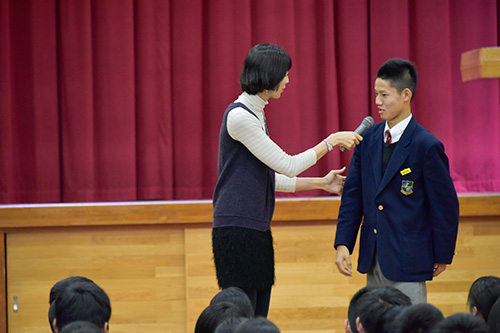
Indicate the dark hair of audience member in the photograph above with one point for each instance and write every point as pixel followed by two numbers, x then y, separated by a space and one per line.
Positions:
pixel 257 325
pixel 494 317
pixel 389 317
pixel 229 325
pixel 352 311
pixel 81 327
pixel 57 289
pixel 83 301
pixel 374 304
pixel 417 318
pixel 236 296
pixel 482 295
pixel 214 314
pixel 461 323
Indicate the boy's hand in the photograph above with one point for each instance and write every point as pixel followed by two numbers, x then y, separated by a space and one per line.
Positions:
pixel 343 256
pixel 438 269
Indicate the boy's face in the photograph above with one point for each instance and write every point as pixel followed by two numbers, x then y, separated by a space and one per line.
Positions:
pixel 391 105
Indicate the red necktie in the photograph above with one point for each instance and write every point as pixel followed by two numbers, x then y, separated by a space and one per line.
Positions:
pixel 388 139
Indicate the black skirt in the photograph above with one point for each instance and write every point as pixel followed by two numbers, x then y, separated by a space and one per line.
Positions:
pixel 243 257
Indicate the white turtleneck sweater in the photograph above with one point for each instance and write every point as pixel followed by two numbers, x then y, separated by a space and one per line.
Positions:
pixel 251 132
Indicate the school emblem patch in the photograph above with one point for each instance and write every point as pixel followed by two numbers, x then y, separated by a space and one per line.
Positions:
pixel 407 187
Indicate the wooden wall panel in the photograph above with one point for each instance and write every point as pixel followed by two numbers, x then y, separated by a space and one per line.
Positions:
pixel 201 284
pixel 477 254
pixel 311 296
pixel 142 270
pixel 3 284
pixel 156 262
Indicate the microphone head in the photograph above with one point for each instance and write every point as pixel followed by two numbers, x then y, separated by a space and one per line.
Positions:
pixel 365 124
pixel 369 121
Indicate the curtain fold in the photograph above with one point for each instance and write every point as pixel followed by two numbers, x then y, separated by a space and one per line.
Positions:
pixel 76 91
pixel 30 169
pixel 119 100
pixel 153 109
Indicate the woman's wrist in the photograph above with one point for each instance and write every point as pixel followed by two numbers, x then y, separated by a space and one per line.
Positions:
pixel 333 139
pixel 329 145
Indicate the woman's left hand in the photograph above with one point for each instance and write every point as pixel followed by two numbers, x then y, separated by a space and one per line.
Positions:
pixel 334 181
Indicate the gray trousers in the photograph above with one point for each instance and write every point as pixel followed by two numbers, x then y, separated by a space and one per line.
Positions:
pixel 417 291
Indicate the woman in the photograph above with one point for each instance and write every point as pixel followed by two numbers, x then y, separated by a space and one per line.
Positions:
pixel 251 167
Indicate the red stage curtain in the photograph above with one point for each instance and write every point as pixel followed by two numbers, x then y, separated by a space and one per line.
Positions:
pixel 117 100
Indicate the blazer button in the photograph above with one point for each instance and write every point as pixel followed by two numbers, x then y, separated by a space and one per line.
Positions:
pixel 375 231
pixel 380 207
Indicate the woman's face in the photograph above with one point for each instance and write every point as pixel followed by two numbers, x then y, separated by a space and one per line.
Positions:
pixel 281 86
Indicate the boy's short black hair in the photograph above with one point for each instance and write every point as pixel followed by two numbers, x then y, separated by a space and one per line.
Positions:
pixel 374 304
pixel 61 285
pixel 400 74
pixel 483 293
pixel 257 325
pixel 417 318
pixel 494 317
pixel 83 301
pixel 57 289
pixel 264 67
pixel 352 310
pixel 214 314
pixel 236 296
pixel 230 325
pixel 461 323
pixel 81 327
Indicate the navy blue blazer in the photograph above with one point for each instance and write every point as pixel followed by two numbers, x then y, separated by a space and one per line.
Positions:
pixel 410 214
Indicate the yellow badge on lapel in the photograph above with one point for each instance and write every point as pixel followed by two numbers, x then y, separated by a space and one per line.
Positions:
pixel 407 187
pixel 405 171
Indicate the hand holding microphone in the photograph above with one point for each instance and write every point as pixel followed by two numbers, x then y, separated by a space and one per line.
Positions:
pixel 365 124
pixel 344 139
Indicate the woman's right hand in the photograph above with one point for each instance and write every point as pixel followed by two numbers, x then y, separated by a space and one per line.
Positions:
pixel 346 139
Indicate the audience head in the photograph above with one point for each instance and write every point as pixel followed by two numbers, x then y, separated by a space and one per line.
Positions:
pixel 417 318
pixel 482 295
pixel 257 325
pixel 229 325
pixel 461 323
pixel 214 314
pixel 82 301
pixel 236 296
pixel 387 324
pixel 81 327
pixel 352 311
pixel 494 317
pixel 57 289
pixel 374 305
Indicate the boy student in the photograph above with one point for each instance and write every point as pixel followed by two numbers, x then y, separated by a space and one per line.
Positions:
pixel 400 186
pixel 82 301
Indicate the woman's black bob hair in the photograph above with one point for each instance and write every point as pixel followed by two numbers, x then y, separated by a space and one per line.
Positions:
pixel 264 68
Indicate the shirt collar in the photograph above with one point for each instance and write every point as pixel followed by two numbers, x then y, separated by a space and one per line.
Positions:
pixel 397 130
pixel 253 102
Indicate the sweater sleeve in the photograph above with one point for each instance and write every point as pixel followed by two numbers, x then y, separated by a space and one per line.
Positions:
pixel 284 183
pixel 245 128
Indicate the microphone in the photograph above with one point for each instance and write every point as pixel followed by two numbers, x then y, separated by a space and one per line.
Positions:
pixel 365 124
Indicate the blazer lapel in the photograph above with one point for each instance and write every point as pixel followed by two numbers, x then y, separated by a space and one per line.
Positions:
pixel 399 155
pixel 375 150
